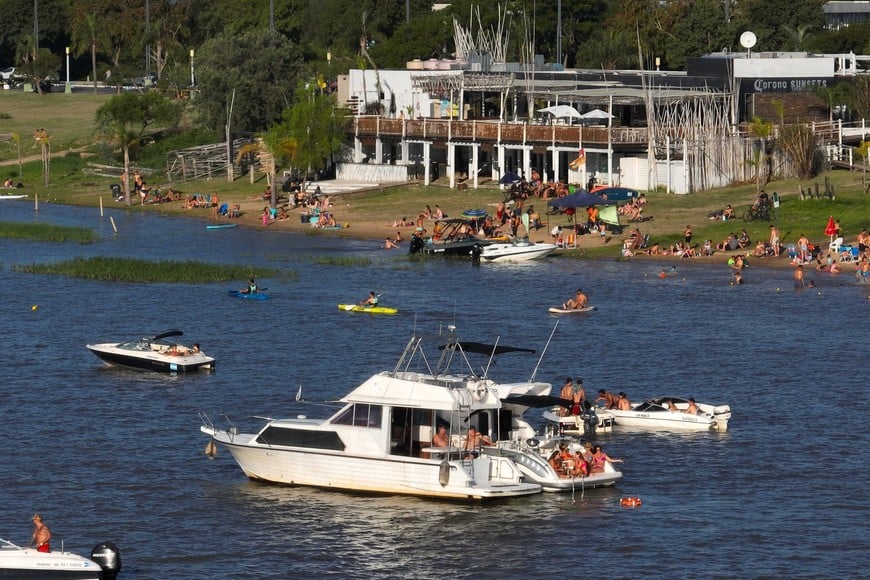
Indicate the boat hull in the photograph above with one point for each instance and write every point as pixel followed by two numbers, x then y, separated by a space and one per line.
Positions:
pixel 536 469
pixel 675 421
pixel 367 309
pixel 557 310
pixel 28 563
pixel 515 252
pixel 247 296
pixel 113 356
pixel 372 474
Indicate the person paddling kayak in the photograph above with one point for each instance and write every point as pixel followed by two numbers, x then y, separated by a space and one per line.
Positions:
pixel 372 300
pixel 251 288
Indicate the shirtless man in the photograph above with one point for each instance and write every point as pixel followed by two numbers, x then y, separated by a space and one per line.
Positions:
pixel 41 535
pixel 799 276
pixel 579 301
pixel 774 239
pixel 610 400
pixel 441 438
pixel 579 398
pixel 475 440
pixel 692 409
pixel 567 394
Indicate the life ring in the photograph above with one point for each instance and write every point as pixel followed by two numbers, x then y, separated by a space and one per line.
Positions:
pixel 478 391
pixel 630 502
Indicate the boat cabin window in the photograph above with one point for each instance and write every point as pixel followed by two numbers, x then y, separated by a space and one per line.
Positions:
pixel 360 415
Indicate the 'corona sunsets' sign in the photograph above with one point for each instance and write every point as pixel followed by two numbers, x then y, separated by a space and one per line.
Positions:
pixel 787 85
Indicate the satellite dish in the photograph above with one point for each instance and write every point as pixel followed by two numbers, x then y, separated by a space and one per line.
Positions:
pixel 747 39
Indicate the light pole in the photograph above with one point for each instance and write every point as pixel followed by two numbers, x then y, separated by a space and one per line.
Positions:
pixel 192 77
pixel 68 88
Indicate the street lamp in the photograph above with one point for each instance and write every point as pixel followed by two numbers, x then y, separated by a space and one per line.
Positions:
pixel 192 77
pixel 68 89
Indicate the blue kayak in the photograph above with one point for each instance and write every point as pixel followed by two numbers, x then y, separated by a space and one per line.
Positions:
pixel 254 296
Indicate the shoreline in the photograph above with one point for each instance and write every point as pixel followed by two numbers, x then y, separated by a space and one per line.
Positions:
pixel 360 229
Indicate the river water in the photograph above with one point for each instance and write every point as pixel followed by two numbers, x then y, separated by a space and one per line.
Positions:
pixel 107 454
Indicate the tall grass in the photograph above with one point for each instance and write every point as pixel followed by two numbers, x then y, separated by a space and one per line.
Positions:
pixel 46 233
pixel 143 271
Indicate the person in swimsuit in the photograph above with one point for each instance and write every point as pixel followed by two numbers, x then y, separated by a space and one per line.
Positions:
pixel 41 535
pixel 600 459
pixel 567 394
pixel 474 441
pixel 441 438
pixel 774 239
pixel 372 300
pixel 579 301
pixel 692 409
pixel 623 404
pixel 799 276
pixel 609 399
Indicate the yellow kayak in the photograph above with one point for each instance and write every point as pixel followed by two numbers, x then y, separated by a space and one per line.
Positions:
pixel 369 309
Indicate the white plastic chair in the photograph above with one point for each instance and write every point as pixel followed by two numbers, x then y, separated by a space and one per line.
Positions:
pixel 835 245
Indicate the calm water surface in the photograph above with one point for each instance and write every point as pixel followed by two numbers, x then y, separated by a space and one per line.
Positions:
pixel 115 455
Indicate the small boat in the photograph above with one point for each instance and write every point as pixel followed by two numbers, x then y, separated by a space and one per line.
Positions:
pixel 655 414
pixel 249 295
pixel 153 353
pixel 531 451
pixel 516 250
pixel 560 310
pixel 12 196
pixel 20 562
pixel 221 226
pixel 451 237
pixel 381 438
pixel 368 309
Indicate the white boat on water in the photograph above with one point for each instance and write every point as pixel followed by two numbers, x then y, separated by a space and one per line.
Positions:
pixel 153 353
pixel 656 414
pixel 515 250
pixel 24 563
pixel 380 440
pixel 531 451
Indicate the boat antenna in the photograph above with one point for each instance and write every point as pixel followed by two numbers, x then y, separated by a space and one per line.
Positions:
pixel 546 346
pixel 491 356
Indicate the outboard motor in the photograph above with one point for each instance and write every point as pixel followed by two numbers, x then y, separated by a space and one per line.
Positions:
pixel 108 556
pixel 417 244
pixel 476 251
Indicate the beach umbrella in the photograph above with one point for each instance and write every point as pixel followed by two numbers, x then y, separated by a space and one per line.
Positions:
pixel 831 228
pixel 616 193
pixel 509 178
pixel 581 198
pixel 474 214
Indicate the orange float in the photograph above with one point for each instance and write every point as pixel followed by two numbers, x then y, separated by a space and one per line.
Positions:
pixel 630 502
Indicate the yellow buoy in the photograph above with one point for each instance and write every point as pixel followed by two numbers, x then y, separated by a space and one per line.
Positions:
pixel 34 307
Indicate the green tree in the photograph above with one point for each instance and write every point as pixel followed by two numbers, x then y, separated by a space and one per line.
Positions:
pixel 127 118
pixel 87 38
pixel 762 131
pixel 262 68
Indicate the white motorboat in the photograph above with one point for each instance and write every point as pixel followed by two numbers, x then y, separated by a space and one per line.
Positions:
pixel 515 250
pixel 153 353
pixel 671 413
pixel 531 451
pixel 381 439
pixel 18 562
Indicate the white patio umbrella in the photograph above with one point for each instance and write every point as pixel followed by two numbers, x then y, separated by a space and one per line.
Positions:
pixel 596 114
pixel 562 111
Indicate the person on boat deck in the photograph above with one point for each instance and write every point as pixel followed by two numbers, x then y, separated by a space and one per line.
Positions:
pixel 372 300
pixel 579 301
pixel 671 407
pixel 251 288
pixel 41 535
pixel 567 394
pixel 555 461
pixel 441 438
pixel 195 348
pixel 609 399
pixel 600 458
pixel 622 403
pixel 692 409
pixel 579 398
pixel 174 351
pixel 475 440
pixel 582 466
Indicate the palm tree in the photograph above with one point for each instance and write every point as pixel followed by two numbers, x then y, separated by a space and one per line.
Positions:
pixel 85 38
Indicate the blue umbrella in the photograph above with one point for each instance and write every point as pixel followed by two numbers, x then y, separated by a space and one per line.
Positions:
pixel 474 213
pixel 508 178
pixel 581 198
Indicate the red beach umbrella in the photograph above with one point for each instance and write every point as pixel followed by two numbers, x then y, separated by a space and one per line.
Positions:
pixel 830 229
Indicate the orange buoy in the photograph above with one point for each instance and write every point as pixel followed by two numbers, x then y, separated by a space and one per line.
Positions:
pixel 630 502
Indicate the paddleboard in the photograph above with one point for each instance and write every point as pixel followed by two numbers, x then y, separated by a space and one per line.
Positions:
pixel 369 309
pixel 558 310
pixel 12 196
pixel 255 296
pixel 221 226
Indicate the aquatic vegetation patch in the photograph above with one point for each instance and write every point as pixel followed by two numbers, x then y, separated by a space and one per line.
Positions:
pixel 45 232
pixel 109 269
pixel 342 261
